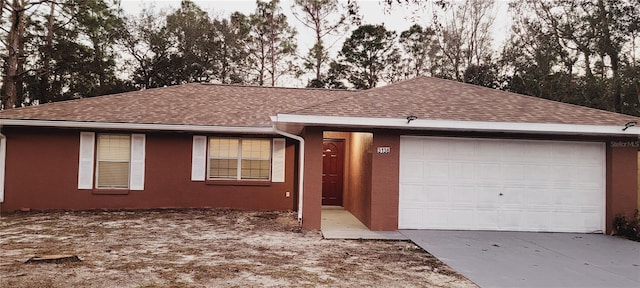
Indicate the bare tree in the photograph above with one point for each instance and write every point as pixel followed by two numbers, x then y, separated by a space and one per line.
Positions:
pixel 324 17
pixel 273 47
pixel 465 34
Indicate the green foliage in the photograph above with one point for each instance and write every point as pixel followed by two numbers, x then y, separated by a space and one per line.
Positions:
pixel 482 75
pixel 187 46
pixel 189 31
pixel 628 227
pixel 366 54
pixel 336 72
pixel 581 54
pixel 70 52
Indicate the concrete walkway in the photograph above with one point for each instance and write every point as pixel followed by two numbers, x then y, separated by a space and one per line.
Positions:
pixel 338 223
pixel 520 259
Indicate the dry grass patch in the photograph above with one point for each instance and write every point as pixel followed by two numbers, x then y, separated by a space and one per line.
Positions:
pixel 203 248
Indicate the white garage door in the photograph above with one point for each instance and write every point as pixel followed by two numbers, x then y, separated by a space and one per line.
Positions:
pixel 511 185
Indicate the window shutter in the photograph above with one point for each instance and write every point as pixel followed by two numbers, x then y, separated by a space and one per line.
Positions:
pixel 136 176
pixel 3 157
pixel 199 158
pixel 85 166
pixel 278 160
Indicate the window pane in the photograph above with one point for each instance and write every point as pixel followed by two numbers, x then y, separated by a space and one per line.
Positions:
pixel 224 154
pixel 255 169
pixel 114 152
pixel 223 148
pixel 256 149
pixel 223 168
pixel 114 147
pixel 113 174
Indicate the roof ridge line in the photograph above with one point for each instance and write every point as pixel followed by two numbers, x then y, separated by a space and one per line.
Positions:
pixel 275 87
pixel 356 93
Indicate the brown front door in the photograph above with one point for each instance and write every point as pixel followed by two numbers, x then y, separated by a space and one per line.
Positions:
pixel 332 172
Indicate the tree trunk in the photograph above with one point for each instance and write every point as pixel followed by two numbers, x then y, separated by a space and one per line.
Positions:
pixel 15 49
pixel 613 52
pixel 45 90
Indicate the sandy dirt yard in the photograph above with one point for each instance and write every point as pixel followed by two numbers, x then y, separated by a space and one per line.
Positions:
pixel 203 248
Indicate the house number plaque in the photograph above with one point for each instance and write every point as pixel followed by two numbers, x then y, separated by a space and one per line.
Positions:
pixel 384 150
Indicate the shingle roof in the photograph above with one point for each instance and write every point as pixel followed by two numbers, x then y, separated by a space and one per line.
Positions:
pixel 251 106
pixel 189 104
pixel 438 99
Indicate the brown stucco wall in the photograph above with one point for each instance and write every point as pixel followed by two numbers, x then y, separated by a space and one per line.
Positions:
pixel 358 194
pixel 622 182
pixel 42 171
pixel 385 182
pixel 312 194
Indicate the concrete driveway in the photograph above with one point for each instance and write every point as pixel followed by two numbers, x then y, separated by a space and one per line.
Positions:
pixel 521 259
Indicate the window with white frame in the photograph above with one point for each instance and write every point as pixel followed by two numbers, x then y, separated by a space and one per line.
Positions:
pixel 113 161
pixel 239 159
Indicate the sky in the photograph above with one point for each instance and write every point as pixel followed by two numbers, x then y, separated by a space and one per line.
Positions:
pixel 400 18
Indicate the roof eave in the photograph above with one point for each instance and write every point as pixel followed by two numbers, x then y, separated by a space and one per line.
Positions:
pixel 295 120
pixel 137 126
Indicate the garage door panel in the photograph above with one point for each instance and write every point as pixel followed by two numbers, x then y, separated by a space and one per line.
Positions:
pixel 513 172
pixel 486 219
pixel 413 148
pixel 590 198
pixel 487 196
pixel 463 218
pixel 566 197
pixel 437 195
pixel 487 152
pixel 563 174
pixel 460 151
pixel 568 220
pixel 536 173
pixel 462 195
pixel 513 196
pixel 462 171
pixel 537 152
pixel 411 218
pixel 413 171
pixel 513 185
pixel 436 171
pixel 536 220
pixel 487 172
pixel 566 152
pixel 438 218
pixel 412 193
pixel 588 175
pixel 511 152
pixel 436 150
pixel 510 219
pixel 538 196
